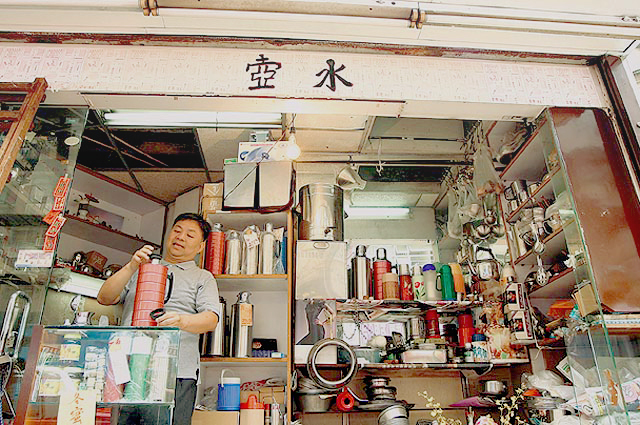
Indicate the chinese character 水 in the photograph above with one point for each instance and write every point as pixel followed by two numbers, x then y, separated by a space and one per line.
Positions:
pixel 332 74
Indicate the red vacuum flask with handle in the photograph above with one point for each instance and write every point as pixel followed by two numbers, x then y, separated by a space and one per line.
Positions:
pixel 150 292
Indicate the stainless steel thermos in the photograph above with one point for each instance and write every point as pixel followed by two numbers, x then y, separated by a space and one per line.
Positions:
pixel 268 246
pixel 212 343
pixel 241 326
pixel 233 253
pixel 360 274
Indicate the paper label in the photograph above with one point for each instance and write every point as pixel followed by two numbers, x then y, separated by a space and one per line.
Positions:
pixel 70 352
pixel 62 187
pixel 58 203
pixel 252 239
pixel 246 315
pixel 78 407
pixel 34 258
pixel 118 361
pixel 56 226
pixel 50 243
pixel 50 217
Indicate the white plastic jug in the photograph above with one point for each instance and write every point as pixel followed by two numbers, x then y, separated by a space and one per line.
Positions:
pixel 431 283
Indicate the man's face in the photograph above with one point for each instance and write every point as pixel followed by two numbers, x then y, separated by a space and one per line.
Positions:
pixel 184 241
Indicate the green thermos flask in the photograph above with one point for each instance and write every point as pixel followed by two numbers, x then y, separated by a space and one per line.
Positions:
pixel 446 278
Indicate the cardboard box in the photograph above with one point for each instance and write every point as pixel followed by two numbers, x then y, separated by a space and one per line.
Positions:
pixel 201 417
pixel 269 394
pixel 244 395
pixel 211 204
pixel 212 190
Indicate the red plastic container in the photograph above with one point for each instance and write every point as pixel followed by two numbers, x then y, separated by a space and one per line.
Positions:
pixel 465 329
pixel 150 291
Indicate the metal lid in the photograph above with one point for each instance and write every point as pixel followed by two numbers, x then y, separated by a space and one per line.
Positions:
pixel 361 251
pixel 155 258
pixel 217 227
pixel 381 254
pixel 403 270
pixel 243 297
pixel 233 234
pixel 268 227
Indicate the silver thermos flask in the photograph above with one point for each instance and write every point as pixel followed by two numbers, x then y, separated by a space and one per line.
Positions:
pixel 268 244
pixel 218 334
pixel 250 249
pixel 361 274
pixel 233 253
pixel 241 326
pixel 212 342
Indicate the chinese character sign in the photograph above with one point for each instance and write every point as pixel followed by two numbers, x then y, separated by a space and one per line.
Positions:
pixel 331 73
pixel 262 72
pixel 77 407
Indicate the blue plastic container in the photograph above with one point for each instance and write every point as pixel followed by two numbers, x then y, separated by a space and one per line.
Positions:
pixel 228 392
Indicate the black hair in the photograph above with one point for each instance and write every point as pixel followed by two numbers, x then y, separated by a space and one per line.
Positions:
pixel 204 226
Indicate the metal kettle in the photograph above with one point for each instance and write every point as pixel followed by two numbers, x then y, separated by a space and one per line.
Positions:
pixel 485 269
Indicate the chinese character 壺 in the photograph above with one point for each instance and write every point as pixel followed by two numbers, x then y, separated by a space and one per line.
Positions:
pixel 332 73
pixel 265 71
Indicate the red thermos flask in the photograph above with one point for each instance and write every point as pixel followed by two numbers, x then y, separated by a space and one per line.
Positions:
pixel 380 266
pixel 150 292
pixel 214 260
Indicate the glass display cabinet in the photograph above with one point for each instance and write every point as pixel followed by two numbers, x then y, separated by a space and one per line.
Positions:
pixel 571 192
pixel 112 374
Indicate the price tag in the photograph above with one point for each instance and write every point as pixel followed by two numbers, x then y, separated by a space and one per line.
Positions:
pixel 33 258
pixel 252 239
pixel 246 315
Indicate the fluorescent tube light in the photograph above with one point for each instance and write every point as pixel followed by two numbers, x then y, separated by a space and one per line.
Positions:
pixel 378 212
pixel 192 118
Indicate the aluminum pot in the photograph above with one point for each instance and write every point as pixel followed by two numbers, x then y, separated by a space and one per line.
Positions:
pixel 494 387
pixel 322 212
pixel 315 402
pixel 394 415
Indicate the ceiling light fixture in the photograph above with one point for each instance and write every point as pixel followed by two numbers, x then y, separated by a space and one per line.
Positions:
pixel 192 119
pixel 377 212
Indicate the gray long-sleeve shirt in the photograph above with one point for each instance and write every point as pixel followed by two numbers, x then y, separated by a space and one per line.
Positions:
pixel 194 291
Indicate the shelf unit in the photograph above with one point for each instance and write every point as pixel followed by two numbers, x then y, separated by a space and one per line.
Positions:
pixel 253 283
pixel 545 190
pixel 103 235
pixel 269 293
pixel 242 362
pixel 559 286
pixel 397 309
pixel 553 245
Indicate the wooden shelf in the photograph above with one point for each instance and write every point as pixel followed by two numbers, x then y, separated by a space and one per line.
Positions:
pixel 528 164
pixel 544 191
pixel 554 244
pixel 254 283
pixel 560 286
pixel 242 362
pixel 103 235
pixel 382 310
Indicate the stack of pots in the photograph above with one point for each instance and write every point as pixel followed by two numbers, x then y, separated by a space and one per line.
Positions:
pixel 378 389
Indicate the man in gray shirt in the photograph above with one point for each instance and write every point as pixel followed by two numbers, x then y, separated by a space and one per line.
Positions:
pixel 193 307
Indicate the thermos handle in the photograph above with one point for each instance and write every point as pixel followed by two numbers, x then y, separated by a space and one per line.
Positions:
pixel 222 376
pixel 170 278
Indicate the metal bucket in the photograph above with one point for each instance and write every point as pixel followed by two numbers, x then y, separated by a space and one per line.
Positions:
pixel 322 212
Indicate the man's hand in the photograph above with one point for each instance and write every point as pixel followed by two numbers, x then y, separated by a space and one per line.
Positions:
pixel 195 323
pixel 173 319
pixel 141 256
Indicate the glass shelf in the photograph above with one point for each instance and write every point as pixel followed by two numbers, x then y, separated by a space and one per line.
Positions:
pixel 397 309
